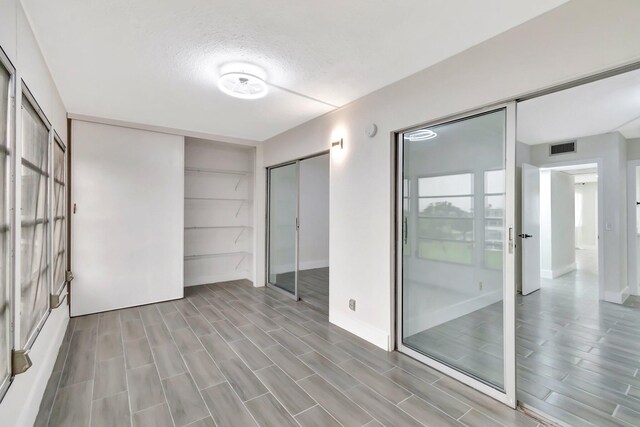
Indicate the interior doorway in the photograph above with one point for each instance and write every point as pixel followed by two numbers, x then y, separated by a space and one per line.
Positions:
pixel 561 245
pixel 577 314
pixel 298 230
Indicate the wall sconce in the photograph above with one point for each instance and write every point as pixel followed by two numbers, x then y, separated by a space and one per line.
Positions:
pixel 337 143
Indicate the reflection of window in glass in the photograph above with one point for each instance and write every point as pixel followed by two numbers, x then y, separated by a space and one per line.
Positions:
pixel 34 274
pixel 494 184
pixel 445 218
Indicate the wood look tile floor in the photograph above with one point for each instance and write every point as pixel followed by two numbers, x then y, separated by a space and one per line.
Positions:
pixel 230 354
pixel 313 286
pixel 577 357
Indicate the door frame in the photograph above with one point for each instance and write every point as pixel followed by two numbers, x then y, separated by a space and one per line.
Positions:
pixel 267 281
pixel 598 162
pixel 632 230
pixel 267 210
pixel 508 396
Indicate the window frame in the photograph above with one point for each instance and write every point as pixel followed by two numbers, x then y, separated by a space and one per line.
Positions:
pixel 9 212
pixel 57 289
pixel 26 93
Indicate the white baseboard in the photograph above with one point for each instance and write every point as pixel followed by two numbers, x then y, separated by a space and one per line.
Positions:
pixel 215 278
pixel 365 331
pixel 21 403
pixel 446 314
pixel 561 271
pixel 310 265
pixel 617 297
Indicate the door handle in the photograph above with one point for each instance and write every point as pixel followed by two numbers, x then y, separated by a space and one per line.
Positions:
pixel 405 232
pixel 525 236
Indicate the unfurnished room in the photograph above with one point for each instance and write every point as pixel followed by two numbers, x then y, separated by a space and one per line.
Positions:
pixel 289 213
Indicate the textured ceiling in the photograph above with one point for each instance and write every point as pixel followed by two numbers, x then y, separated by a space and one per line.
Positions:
pixel 603 106
pixel 157 62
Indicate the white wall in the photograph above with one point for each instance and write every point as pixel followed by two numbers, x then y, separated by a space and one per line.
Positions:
pixel 127 233
pixel 610 150
pixel 314 213
pixel 557 219
pixel 542 52
pixel 587 232
pixel 20 405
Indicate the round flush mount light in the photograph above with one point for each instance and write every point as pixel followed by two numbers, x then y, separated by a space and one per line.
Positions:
pixel 420 135
pixel 243 85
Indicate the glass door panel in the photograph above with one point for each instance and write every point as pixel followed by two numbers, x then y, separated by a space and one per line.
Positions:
pixel 283 224
pixel 453 277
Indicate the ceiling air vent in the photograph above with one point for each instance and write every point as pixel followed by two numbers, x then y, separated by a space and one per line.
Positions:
pixel 562 148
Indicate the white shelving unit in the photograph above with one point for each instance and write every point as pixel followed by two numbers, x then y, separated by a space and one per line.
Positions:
pixel 218 212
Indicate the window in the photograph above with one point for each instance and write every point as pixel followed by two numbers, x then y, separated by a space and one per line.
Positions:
pixel 59 217
pixel 493 218
pixel 34 274
pixel 445 218
pixel 6 83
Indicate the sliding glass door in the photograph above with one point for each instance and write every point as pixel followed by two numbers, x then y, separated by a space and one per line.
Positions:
pixel 282 237
pixel 456 281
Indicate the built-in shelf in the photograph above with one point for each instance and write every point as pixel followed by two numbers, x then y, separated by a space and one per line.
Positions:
pixel 217 255
pixel 217 198
pixel 216 171
pixel 241 254
pixel 217 226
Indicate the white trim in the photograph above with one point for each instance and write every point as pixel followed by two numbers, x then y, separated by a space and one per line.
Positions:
pixel 365 331
pixel 632 249
pixel 161 129
pixel 617 297
pixel 557 272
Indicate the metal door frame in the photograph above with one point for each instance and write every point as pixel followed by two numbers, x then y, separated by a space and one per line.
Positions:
pixel 508 395
pixel 270 285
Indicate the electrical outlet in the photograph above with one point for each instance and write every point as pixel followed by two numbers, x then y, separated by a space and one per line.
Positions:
pixel 352 304
pixel 480 285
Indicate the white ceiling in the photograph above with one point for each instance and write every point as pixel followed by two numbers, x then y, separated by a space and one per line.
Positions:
pixel 603 106
pixel 157 62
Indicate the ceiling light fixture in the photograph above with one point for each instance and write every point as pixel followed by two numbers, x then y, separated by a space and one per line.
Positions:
pixel 243 85
pixel 420 135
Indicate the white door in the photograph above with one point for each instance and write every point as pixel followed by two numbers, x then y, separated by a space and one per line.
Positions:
pixel 530 233
pixel 126 218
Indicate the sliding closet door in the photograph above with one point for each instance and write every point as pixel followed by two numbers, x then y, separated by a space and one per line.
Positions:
pixel 456 305
pixel 35 268
pixel 282 268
